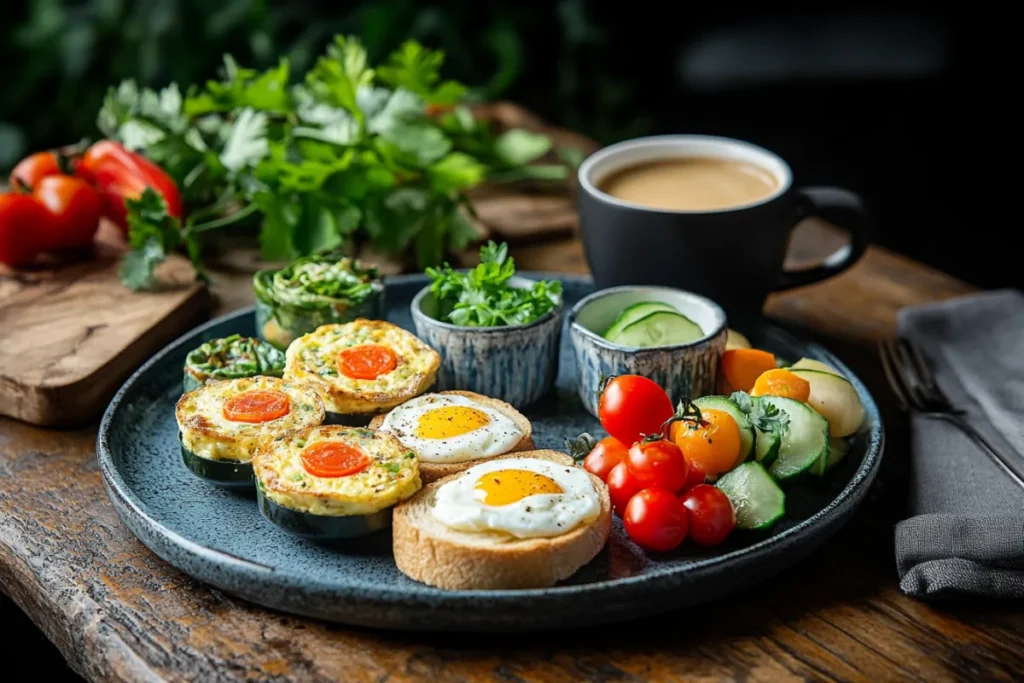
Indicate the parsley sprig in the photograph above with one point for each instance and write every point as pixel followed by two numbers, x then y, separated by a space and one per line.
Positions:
pixel 315 161
pixel 763 415
pixel 483 297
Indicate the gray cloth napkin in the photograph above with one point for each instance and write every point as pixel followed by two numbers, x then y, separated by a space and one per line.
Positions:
pixel 965 535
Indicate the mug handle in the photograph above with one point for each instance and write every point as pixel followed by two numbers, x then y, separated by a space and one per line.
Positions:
pixel 841 208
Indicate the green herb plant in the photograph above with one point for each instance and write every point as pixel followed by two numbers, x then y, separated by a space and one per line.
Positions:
pixel 483 297
pixel 349 152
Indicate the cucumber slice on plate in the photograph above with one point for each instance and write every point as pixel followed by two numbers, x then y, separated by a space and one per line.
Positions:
pixel 661 328
pixel 837 450
pixel 728 406
pixel 756 498
pixel 834 398
pixel 804 442
pixel 633 313
pixel 766 447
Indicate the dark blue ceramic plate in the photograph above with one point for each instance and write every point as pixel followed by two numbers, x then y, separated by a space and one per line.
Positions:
pixel 219 537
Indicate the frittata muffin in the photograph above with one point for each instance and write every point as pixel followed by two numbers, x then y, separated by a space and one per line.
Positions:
pixel 364 367
pixel 222 424
pixel 333 482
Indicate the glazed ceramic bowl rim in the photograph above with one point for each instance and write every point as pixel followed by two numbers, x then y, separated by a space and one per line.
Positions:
pixel 419 314
pixel 597 339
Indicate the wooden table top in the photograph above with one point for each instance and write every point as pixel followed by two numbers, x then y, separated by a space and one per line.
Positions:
pixel 117 612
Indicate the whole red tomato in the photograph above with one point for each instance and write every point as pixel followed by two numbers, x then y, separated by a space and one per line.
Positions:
pixel 33 168
pixel 656 520
pixel 632 407
pixel 658 464
pixel 621 487
pixel 608 453
pixel 23 222
pixel 75 208
pixel 712 518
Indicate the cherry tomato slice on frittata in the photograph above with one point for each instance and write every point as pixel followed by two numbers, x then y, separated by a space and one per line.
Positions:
pixel 329 459
pixel 258 405
pixel 368 361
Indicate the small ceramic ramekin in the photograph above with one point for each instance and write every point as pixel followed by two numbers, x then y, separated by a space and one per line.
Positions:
pixel 517 364
pixel 682 370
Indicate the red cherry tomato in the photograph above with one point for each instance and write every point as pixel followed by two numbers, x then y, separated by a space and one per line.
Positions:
pixel 621 487
pixel 23 224
pixel 75 208
pixel 696 477
pixel 658 464
pixel 608 453
pixel 656 520
pixel 632 406
pixel 712 518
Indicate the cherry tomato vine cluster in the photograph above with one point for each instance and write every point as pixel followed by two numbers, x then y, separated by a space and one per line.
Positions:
pixel 656 461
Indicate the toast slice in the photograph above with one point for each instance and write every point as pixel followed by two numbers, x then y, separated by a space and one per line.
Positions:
pixel 432 553
pixel 432 471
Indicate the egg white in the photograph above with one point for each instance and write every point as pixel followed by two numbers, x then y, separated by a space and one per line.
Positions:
pixel 497 437
pixel 457 506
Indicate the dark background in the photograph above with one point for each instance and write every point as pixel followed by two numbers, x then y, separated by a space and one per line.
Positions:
pixel 870 96
pixel 865 95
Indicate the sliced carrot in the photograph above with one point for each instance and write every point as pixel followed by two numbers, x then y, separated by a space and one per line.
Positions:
pixel 782 382
pixel 740 368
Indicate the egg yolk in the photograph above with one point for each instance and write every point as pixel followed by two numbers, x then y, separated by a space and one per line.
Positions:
pixel 449 421
pixel 504 487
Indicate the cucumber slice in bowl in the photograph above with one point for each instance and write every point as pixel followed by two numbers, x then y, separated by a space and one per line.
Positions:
pixel 633 313
pixel 804 442
pixel 729 406
pixel 661 328
pixel 836 399
pixel 756 499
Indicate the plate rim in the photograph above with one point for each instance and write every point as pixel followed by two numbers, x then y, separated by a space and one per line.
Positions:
pixel 851 494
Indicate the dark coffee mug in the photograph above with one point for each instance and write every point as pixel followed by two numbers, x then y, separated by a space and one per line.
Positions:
pixel 734 255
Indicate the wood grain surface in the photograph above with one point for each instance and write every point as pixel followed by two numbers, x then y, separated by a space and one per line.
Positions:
pixel 117 612
pixel 70 335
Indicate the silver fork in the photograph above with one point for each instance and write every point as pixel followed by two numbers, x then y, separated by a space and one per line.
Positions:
pixel 913 381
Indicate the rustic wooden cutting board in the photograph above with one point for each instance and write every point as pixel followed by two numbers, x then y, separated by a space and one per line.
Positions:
pixel 71 334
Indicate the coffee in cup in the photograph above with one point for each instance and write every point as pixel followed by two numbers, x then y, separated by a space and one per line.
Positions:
pixel 707 214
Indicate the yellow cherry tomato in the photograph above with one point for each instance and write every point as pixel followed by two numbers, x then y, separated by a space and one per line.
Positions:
pixel 782 382
pixel 713 445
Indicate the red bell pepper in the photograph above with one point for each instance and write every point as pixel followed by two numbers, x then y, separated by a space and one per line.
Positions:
pixel 119 174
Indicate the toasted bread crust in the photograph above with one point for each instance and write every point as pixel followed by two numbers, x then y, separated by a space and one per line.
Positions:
pixel 432 471
pixel 427 551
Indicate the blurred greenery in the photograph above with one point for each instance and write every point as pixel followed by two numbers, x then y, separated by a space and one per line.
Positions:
pixel 67 52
